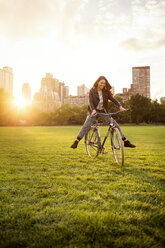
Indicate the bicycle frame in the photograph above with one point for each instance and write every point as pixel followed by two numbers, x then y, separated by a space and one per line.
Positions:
pixel 93 139
pixel 110 129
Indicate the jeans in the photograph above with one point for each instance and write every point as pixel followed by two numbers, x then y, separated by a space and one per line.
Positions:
pixel 89 122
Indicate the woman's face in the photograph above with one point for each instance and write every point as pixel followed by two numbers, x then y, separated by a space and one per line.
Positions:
pixel 101 84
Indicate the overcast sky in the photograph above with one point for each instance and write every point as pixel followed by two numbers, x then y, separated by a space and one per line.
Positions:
pixel 79 40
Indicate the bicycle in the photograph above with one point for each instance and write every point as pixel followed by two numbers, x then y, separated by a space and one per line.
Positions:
pixel 93 140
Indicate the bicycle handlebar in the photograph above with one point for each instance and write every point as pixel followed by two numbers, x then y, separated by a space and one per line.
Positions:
pixel 106 114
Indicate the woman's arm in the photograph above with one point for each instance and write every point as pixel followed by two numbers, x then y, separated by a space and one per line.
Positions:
pixel 117 103
pixel 91 104
pixel 114 100
pixel 121 108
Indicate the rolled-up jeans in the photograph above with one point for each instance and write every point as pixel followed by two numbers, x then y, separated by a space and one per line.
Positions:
pixel 90 120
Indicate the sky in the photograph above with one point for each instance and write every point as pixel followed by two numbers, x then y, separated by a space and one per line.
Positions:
pixel 79 40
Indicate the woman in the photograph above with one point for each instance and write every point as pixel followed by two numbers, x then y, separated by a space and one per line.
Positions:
pixel 99 95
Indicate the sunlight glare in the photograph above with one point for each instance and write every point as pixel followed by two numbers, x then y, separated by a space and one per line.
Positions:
pixel 20 102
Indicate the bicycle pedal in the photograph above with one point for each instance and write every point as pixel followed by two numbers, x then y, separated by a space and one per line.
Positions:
pixel 105 152
pixel 117 147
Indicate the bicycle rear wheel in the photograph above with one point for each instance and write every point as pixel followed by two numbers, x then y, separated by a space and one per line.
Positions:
pixel 117 146
pixel 92 142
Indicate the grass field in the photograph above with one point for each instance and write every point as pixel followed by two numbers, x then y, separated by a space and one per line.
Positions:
pixel 53 196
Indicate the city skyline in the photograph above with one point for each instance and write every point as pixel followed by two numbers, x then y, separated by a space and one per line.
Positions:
pixel 140 84
pixel 77 41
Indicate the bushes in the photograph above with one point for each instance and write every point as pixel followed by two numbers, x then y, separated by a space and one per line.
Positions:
pixel 145 110
pixel 67 115
pixel 140 109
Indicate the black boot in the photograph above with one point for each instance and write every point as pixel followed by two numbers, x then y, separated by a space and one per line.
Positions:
pixel 128 144
pixel 75 144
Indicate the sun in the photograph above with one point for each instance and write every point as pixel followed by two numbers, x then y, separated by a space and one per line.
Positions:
pixel 20 102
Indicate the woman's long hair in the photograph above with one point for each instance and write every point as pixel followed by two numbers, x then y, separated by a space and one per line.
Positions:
pixel 107 86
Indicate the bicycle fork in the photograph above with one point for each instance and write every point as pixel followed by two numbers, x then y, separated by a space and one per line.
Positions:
pixel 102 148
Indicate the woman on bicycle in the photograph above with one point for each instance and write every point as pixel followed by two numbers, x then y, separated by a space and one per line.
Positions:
pixel 99 95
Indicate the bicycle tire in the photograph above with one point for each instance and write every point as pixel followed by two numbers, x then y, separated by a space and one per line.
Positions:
pixel 92 142
pixel 117 146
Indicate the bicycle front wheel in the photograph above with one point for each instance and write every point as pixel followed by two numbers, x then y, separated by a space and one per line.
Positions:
pixel 117 146
pixel 92 142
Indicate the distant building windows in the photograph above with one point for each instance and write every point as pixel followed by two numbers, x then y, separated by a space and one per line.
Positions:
pixel 51 94
pixel 140 83
pixel 6 79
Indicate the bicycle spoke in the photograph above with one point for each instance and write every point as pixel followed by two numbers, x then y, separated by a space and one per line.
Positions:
pixel 117 147
pixel 92 143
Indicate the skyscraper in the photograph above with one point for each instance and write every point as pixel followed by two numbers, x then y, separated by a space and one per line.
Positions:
pixel 26 92
pixel 140 81
pixel 46 101
pixel 63 91
pixel 82 90
pixel 6 79
pixel 50 95
pixel 49 83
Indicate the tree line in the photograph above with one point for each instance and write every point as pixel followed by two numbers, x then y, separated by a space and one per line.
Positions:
pixel 140 110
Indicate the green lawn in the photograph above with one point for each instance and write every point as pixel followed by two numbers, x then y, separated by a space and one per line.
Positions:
pixel 54 196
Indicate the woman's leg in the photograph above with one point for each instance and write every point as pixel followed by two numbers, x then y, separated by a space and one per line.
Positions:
pixel 86 126
pixel 118 127
pixel 105 119
pixel 127 143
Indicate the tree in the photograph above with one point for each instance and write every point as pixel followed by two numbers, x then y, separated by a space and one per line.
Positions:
pixel 67 115
pixel 155 107
pixel 8 111
pixel 62 115
pixel 140 108
pixel 124 117
pixel 78 115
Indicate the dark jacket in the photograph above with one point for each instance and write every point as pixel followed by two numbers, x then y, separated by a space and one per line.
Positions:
pixel 94 99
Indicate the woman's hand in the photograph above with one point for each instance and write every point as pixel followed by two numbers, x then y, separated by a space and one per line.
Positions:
pixel 123 109
pixel 93 112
